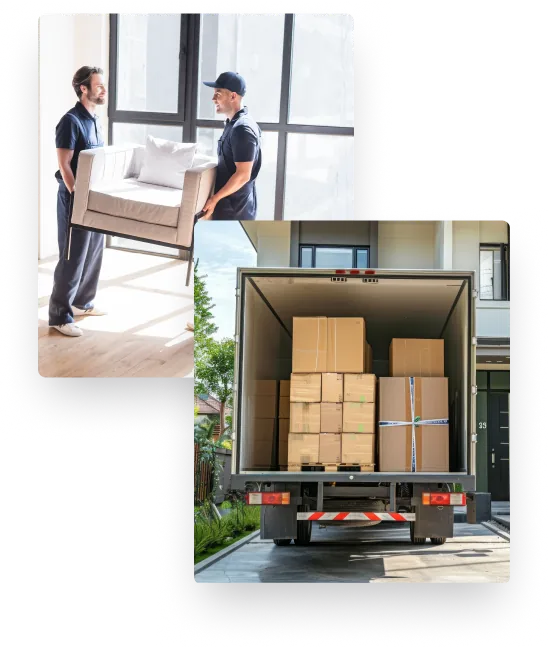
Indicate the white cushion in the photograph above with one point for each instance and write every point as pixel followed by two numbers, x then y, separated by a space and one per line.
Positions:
pixel 138 201
pixel 165 162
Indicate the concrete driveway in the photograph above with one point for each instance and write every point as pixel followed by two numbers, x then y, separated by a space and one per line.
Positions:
pixel 361 555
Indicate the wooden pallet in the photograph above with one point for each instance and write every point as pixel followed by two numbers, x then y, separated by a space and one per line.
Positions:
pixel 335 467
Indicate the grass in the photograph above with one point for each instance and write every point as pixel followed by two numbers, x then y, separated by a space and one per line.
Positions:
pixel 213 550
pixel 212 535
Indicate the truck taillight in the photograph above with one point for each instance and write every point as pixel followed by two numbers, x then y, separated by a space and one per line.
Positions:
pixel 444 499
pixel 267 498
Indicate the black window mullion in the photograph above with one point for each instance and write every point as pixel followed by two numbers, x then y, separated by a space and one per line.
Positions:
pixel 287 53
pixel 190 127
pixel 113 65
pixel 183 53
pixel 354 257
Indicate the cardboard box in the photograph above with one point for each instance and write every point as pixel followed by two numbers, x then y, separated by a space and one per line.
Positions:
pixel 305 418
pixel 360 388
pixel 416 357
pixel 431 441
pixel 331 417
pixel 359 418
pixel 285 387
pixel 261 443
pixel 309 344
pixel 330 448
pixel 265 387
pixel 332 388
pixel 368 359
pixel 358 448
pixel 345 345
pixel 283 410
pixel 265 407
pixel 283 435
pixel 306 388
pixel 303 448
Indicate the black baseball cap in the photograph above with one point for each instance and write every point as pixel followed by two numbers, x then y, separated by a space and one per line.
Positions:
pixel 229 81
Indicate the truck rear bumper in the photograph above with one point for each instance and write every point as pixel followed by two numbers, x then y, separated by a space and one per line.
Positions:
pixel 238 482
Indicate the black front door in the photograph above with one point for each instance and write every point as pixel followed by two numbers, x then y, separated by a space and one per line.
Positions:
pixel 499 446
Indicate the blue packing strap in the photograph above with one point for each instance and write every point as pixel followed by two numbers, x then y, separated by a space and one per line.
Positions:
pixel 415 422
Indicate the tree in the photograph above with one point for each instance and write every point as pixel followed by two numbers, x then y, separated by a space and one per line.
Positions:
pixel 204 326
pixel 214 373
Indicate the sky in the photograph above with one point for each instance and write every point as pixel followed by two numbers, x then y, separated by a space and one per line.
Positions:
pixel 219 248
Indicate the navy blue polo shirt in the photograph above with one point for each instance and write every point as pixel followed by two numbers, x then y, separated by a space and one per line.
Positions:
pixel 78 130
pixel 240 142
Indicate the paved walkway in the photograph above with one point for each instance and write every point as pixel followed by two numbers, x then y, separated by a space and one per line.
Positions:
pixel 376 554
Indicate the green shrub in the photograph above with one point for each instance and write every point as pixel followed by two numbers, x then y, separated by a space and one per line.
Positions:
pixel 210 531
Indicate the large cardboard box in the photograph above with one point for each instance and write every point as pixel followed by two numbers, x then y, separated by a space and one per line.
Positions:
pixel 332 387
pixel 359 418
pixel 431 441
pixel 305 418
pixel 265 387
pixel 303 448
pixel 345 345
pixel 331 415
pixel 265 394
pixel 306 388
pixel 360 388
pixel 309 345
pixel 368 359
pixel 261 443
pixel 358 448
pixel 416 357
pixel 283 410
pixel 283 435
pixel 285 387
pixel 330 448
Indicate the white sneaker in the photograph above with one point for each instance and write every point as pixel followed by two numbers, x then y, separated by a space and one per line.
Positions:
pixel 89 311
pixel 69 329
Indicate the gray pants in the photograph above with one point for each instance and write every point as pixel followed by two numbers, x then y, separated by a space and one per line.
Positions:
pixel 75 281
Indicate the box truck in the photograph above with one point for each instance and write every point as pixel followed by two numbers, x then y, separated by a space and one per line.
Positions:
pixel 431 304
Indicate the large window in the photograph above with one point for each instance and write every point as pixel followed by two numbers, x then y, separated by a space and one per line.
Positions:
pixel 158 63
pixel 494 271
pixel 329 256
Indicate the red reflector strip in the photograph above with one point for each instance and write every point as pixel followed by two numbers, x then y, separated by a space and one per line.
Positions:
pixel 369 272
pixel 320 516
pixel 444 499
pixel 354 272
pixel 340 271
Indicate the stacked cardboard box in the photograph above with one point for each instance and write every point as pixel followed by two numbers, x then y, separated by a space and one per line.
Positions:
pixel 415 393
pixel 325 425
pixel 283 424
pixel 262 435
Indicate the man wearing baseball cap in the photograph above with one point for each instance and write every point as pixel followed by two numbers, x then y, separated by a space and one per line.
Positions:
pixel 239 153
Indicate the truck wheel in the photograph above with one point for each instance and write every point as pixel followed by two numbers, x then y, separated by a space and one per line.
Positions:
pixel 282 542
pixel 304 528
pixel 438 541
pixel 415 540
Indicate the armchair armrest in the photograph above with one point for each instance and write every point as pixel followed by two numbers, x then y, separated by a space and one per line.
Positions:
pixel 101 165
pixel 197 188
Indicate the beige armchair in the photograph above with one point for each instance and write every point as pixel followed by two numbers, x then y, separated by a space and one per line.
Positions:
pixel 109 198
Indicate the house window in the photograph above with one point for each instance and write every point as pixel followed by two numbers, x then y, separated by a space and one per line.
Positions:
pixel 494 272
pixel 333 257
pixel 158 62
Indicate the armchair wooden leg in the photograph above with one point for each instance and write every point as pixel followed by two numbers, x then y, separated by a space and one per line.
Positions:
pixel 190 263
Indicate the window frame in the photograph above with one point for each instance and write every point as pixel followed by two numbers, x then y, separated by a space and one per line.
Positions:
pixel 187 116
pixel 355 249
pixel 504 249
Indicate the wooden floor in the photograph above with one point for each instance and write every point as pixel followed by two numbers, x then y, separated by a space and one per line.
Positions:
pixel 143 334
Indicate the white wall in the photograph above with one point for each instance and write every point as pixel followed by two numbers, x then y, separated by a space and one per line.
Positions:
pixel 273 244
pixel 407 244
pixel 66 43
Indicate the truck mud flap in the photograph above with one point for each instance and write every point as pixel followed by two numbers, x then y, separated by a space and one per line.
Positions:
pixel 280 522
pixel 431 521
